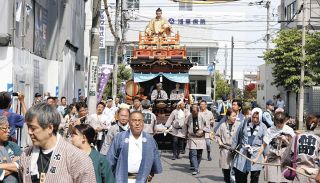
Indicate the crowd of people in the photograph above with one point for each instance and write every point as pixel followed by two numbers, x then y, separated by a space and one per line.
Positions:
pixel 116 144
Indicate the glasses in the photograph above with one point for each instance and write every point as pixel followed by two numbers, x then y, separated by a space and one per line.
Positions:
pixel 5 129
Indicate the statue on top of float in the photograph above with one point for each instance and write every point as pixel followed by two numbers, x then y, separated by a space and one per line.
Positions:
pixel 158 26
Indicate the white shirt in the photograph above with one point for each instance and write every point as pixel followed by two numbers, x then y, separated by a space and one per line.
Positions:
pixel 101 121
pixel 134 154
pixel 273 132
pixel 110 113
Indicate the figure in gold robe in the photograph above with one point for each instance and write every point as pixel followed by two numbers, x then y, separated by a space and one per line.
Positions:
pixel 158 26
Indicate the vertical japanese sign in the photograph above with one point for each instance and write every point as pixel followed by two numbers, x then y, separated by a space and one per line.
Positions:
pixel 93 75
pixel 102 28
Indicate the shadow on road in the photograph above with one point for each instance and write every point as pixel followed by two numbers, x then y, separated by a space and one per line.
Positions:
pixel 211 177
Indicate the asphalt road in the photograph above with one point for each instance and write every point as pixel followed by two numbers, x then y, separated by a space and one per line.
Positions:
pixel 177 171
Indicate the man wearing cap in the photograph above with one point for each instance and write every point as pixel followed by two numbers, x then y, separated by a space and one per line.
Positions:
pixel 158 26
pixel 267 116
pixel 37 99
pixel 150 119
pixel 159 93
pixel 177 93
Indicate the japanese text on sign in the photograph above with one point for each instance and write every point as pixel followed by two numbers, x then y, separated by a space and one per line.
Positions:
pixel 102 27
pixel 187 21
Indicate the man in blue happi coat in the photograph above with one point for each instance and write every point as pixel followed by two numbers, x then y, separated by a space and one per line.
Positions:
pixel 133 154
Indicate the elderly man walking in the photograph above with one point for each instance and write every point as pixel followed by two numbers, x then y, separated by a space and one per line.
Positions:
pixel 51 159
pixel 133 154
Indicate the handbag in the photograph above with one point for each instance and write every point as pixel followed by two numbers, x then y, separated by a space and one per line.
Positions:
pixel 290 174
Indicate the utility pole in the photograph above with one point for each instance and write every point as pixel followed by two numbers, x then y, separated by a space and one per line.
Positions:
pixel 268 24
pixel 231 78
pixel 301 100
pixel 214 79
pixel 116 50
pixel 225 61
pixel 94 56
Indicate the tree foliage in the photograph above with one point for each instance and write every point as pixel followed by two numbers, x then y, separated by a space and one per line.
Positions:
pixel 287 58
pixel 222 88
pixel 124 74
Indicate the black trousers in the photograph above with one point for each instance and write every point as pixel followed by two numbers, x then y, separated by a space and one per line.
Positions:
pixel 177 145
pixel 226 175
pixel 242 177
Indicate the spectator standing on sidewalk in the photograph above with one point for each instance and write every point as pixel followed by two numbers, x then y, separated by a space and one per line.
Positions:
pixel 15 120
pixel 63 106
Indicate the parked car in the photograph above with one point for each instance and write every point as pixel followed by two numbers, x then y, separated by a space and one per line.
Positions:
pixel 195 98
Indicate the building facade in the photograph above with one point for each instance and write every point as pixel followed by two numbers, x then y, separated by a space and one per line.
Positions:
pixel 183 18
pixel 42 47
pixel 290 16
pixel 265 89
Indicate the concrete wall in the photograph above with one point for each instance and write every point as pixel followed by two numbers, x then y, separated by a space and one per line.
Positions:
pixel 265 90
pixel 30 74
pixel 45 60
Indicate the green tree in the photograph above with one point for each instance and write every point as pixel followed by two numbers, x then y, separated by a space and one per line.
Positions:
pixel 286 56
pixel 222 86
pixel 124 74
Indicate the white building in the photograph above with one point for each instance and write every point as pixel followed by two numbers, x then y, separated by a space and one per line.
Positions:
pixel 41 47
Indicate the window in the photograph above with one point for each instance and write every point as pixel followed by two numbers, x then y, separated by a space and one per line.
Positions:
pixel 133 4
pixel 102 56
pixel 129 54
pixel 183 6
pixel 197 55
pixel 291 11
pixel 110 54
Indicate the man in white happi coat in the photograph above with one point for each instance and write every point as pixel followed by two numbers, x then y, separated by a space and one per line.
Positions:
pixel 177 121
pixel 177 93
pixel 100 123
pixel 196 142
pixel 110 110
pixel 208 118
pixel 159 93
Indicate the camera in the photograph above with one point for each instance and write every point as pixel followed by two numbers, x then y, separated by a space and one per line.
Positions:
pixel 15 94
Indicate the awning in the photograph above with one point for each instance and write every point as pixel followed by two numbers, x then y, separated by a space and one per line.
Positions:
pixel 175 77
